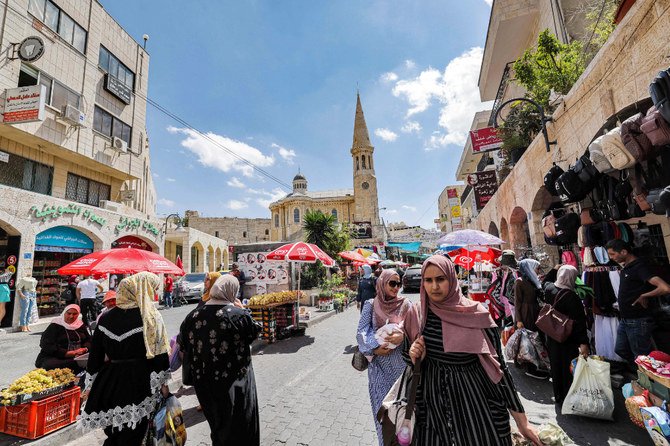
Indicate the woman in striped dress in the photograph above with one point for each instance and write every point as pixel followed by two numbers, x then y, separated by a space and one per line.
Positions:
pixel 466 394
pixel 386 362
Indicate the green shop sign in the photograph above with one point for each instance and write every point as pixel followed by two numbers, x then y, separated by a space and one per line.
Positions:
pixel 53 212
pixel 129 224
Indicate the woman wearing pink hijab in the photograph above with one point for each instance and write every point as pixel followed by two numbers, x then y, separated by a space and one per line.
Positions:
pixel 380 331
pixel 466 394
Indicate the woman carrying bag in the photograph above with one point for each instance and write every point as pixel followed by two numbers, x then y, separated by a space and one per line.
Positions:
pixel 562 297
pixel 465 395
pixel 386 363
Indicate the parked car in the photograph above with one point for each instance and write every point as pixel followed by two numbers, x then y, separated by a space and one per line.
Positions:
pixel 191 286
pixel 411 281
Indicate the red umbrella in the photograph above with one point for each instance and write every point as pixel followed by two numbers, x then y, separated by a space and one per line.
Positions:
pixel 356 257
pixel 300 252
pixel 468 257
pixel 121 261
pixel 179 263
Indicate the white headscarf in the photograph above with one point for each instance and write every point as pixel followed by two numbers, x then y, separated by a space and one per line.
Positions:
pixel 566 278
pixel 527 268
pixel 224 289
pixel 60 320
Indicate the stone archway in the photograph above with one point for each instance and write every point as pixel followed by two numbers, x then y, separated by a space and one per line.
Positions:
pixel 493 229
pixel 210 259
pixel 519 232
pixel 504 231
pixel 218 260
pixel 197 258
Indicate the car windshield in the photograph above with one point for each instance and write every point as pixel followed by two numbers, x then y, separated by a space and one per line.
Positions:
pixel 200 277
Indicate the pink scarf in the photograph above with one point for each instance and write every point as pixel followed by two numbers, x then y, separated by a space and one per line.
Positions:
pixel 393 310
pixel 463 320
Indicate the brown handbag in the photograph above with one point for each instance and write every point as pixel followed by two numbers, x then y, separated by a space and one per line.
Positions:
pixel 656 128
pixel 553 323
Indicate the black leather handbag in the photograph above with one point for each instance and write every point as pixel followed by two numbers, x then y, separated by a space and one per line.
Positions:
pixel 359 361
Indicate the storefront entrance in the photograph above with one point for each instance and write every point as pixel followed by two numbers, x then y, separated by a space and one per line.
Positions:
pixel 9 258
pixel 54 248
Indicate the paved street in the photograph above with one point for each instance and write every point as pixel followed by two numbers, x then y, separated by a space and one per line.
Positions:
pixel 310 395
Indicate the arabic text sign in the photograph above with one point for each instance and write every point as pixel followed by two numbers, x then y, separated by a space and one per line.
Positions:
pixel 484 140
pixel 485 185
pixel 24 104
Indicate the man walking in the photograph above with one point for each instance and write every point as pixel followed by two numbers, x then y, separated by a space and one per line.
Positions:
pixel 86 291
pixel 239 274
pixel 639 291
pixel 168 286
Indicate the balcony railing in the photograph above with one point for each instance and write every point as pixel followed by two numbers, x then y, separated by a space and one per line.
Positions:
pixel 504 80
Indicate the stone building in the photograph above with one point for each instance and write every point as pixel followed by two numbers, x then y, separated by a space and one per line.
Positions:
pixel 357 207
pixel 236 231
pixel 449 208
pixel 74 157
pixel 618 76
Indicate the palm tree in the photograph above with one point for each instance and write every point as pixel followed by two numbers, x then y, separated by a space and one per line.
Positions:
pixel 321 229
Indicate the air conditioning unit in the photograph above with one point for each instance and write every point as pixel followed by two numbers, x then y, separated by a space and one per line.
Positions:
pixel 72 115
pixel 119 145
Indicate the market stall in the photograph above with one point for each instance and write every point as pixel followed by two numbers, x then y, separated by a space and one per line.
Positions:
pixel 278 313
pixel 646 399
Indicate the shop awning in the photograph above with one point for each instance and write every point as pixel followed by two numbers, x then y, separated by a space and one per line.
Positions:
pixel 63 239
pixel 406 246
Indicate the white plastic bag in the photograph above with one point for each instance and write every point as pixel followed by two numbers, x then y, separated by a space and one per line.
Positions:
pixel 590 394
pixel 382 332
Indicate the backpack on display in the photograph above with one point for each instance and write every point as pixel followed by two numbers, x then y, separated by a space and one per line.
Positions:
pixel 659 90
pixel 550 179
pixel 656 128
pixel 549 225
pixel 574 184
pixel 635 141
pixel 615 151
pixel 597 156
pixel 567 227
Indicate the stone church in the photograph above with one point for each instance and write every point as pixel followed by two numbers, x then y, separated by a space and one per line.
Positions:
pixel 357 207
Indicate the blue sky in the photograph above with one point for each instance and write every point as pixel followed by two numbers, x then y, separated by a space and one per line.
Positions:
pixel 276 82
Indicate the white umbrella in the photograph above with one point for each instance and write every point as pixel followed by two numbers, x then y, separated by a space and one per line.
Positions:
pixel 469 237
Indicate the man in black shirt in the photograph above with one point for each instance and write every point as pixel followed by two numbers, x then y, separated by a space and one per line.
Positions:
pixel 638 293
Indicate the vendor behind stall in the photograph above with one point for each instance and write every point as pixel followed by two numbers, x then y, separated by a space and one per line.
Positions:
pixel 65 338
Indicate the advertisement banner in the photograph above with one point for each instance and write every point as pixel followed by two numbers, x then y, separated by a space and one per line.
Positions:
pixel 485 185
pixel 455 211
pixel 24 104
pixel 361 229
pixel 485 140
pixel 260 271
pixel 456 223
pixel 452 193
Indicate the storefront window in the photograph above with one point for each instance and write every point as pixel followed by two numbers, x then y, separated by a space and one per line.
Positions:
pixel 26 174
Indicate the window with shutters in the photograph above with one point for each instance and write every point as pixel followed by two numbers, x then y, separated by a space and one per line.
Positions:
pixel 26 174
pixel 83 190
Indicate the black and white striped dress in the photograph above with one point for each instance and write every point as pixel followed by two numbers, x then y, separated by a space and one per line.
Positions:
pixel 457 403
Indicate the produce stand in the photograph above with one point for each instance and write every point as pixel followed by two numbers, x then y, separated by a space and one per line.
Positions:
pixel 279 320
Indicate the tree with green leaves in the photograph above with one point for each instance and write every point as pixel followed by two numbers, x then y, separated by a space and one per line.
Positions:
pixel 321 229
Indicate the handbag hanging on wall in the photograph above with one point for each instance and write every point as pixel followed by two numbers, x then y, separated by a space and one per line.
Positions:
pixel 553 323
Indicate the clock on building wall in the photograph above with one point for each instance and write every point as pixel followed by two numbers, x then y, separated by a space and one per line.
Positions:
pixel 365 185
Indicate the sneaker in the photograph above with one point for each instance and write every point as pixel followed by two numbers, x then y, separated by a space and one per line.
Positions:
pixel 537 375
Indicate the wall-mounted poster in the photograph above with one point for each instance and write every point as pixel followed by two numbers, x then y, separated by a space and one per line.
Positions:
pixel 361 229
pixel 259 270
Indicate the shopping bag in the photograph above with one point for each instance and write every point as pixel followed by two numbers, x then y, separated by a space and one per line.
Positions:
pixel 507 334
pixel 168 423
pixel 528 354
pixel 34 314
pixel 512 347
pixel 540 350
pixel 590 394
pixel 175 357
pixel 397 409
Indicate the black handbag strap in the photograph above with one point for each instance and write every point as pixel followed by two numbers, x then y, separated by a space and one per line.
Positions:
pixel 416 374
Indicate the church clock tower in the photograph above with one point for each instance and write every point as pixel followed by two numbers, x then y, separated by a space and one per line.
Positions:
pixel 365 183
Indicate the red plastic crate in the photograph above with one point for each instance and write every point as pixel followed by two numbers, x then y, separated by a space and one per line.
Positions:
pixel 38 418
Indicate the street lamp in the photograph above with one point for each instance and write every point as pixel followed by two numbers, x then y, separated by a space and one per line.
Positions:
pixel 178 222
pixel 543 119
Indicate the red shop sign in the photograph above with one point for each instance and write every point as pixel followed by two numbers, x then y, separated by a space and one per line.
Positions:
pixel 485 140
pixel 130 241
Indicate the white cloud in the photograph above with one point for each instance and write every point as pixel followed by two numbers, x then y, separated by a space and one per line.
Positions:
pixel 171 180
pixel 286 154
pixel 410 64
pixel 488 2
pixel 236 205
pixel 155 175
pixel 234 182
pixel 208 149
pixel 455 89
pixel 386 135
pixel 267 197
pixel 389 77
pixel 165 202
pixel 409 208
pixel 391 211
pixel 411 126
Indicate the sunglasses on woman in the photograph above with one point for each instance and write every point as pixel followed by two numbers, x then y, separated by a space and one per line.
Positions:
pixel 394 284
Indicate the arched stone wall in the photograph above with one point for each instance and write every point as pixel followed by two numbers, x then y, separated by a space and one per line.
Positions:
pixel 520 240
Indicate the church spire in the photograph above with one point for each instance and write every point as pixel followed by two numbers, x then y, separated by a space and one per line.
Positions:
pixel 361 136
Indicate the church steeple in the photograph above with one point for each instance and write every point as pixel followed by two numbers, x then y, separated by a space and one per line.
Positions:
pixel 361 136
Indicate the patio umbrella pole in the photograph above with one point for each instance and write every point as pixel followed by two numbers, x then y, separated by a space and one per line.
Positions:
pixel 297 316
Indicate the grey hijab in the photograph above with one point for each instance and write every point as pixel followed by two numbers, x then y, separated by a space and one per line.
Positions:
pixel 225 289
pixel 527 268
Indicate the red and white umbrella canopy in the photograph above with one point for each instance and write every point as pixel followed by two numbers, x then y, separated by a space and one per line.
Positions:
pixel 300 252
pixel 121 261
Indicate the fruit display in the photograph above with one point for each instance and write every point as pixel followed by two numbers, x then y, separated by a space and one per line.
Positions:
pixel 280 297
pixel 35 381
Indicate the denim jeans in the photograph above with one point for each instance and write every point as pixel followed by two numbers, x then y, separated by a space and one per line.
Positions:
pixel 26 308
pixel 167 298
pixel 634 338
